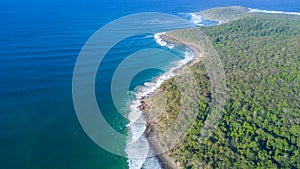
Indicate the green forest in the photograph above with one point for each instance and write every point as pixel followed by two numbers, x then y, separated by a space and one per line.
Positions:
pixel 260 124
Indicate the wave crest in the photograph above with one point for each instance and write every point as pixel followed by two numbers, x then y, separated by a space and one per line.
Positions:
pixel 161 42
pixel 272 12
pixel 137 142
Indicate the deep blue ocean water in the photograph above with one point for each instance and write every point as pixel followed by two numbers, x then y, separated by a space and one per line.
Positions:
pixel 39 44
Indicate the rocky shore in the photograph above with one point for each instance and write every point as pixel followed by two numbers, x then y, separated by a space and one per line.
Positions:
pixel 146 106
pixel 151 134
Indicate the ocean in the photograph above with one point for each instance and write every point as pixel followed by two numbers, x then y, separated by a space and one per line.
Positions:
pixel 39 44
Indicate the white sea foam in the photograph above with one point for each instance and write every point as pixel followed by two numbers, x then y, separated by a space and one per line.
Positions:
pixel 152 163
pixel 272 12
pixel 161 42
pixel 196 19
pixel 137 143
pixel 149 36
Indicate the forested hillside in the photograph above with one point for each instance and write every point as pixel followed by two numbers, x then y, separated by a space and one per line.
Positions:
pixel 225 14
pixel 260 126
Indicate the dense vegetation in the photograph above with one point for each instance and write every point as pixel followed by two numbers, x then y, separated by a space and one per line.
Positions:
pixel 260 126
pixel 225 14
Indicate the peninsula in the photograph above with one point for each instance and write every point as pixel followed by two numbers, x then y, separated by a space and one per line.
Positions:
pixel 260 124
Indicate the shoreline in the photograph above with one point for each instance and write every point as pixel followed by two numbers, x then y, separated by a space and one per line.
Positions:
pixel 199 50
pixel 140 104
pixel 165 160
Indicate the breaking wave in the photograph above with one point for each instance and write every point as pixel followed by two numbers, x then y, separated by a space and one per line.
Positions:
pixel 272 12
pixel 137 142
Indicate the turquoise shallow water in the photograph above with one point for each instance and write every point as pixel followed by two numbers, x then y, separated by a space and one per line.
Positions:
pixel 39 44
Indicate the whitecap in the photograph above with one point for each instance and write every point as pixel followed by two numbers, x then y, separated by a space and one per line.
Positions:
pixel 272 12
pixel 196 19
pixel 149 36
pixel 161 42
pixel 137 142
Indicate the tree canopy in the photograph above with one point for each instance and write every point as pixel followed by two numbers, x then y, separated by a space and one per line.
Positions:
pixel 260 126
